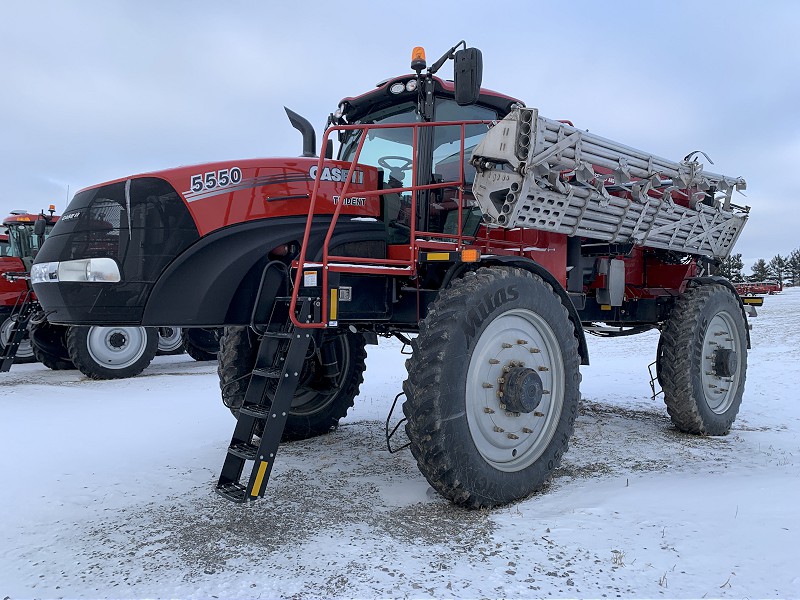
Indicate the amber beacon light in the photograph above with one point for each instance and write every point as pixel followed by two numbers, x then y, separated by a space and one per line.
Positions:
pixel 418 59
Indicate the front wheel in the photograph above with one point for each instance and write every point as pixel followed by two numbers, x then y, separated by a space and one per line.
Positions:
pixel 321 399
pixel 112 352
pixel 703 359
pixel 493 387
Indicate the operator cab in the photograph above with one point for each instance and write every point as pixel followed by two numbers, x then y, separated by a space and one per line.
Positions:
pixel 413 99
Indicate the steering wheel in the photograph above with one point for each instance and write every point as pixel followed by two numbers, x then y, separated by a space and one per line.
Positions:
pixel 407 162
pixel 396 172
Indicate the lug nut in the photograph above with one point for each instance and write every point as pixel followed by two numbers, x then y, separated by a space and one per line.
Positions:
pixel 494 361
pixel 500 395
pixel 511 436
pixel 522 342
pixel 526 430
pixel 501 380
pixel 543 369
pixel 506 345
pixel 545 392
pixel 498 429
pixel 488 410
pixel 535 351
pixel 487 385
pixel 502 406
pixel 536 413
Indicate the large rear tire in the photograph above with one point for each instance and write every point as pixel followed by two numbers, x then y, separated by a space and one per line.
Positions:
pixel 493 387
pixel 319 402
pixel 702 362
pixel 24 350
pixel 49 344
pixel 112 352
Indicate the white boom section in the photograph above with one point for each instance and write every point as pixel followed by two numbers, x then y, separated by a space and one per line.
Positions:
pixel 537 173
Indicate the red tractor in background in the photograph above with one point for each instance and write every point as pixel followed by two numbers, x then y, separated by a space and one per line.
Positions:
pixel 494 235
pixel 17 303
pixel 99 352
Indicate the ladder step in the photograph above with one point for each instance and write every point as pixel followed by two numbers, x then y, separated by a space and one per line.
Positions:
pixel 269 372
pixel 233 491
pixel 243 450
pixel 280 335
pixel 255 410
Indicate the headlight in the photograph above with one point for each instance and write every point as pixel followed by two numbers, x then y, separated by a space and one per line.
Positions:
pixel 44 272
pixel 85 269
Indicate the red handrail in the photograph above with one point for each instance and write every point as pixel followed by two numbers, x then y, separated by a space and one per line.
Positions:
pixel 375 263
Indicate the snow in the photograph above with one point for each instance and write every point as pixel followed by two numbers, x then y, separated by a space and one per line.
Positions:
pixel 107 493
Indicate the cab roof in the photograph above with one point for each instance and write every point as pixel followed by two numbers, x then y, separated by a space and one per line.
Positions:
pixel 357 106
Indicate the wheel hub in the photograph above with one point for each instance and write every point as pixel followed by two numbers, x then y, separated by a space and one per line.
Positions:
pixel 726 361
pixel 117 340
pixel 515 390
pixel 522 390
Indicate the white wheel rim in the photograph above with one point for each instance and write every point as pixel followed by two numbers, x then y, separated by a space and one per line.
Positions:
pixel 721 334
pixel 24 350
pixel 116 347
pixel 513 441
pixel 169 339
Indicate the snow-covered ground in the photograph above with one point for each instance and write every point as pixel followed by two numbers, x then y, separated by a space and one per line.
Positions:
pixel 107 493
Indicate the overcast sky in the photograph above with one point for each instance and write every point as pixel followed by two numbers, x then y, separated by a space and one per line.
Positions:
pixel 91 91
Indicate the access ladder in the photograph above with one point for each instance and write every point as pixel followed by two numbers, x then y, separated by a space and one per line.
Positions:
pixel 268 399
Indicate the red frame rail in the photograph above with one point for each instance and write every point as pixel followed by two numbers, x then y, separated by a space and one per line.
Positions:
pixel 377 266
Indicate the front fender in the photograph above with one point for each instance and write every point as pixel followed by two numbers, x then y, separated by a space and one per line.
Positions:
pixel 215 282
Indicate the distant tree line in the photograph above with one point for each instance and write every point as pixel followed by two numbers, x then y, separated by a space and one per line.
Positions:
pixel 784 270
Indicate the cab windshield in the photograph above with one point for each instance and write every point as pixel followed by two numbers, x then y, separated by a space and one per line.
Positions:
pixel 391 149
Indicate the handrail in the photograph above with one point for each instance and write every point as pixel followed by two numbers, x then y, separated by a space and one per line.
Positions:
pixel 458 238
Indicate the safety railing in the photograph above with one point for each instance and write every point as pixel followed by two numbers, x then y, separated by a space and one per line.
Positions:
pixel 368 265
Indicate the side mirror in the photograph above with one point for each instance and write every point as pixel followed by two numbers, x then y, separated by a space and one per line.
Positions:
pixel 329 149
pixel 468 74
pixel 39 227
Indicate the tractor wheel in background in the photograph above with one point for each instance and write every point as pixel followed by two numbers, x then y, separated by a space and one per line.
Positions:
pixel 170 341
pixel 493 387
pixel 24 350
pixel 319 401
pixel 49 344
pixel 112 352
pixel 201 344
pixel 704 359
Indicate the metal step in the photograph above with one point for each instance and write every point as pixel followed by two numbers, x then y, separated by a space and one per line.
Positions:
pixel 235 492
pixel 269 373
pixel 255 410
pixel 244 450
